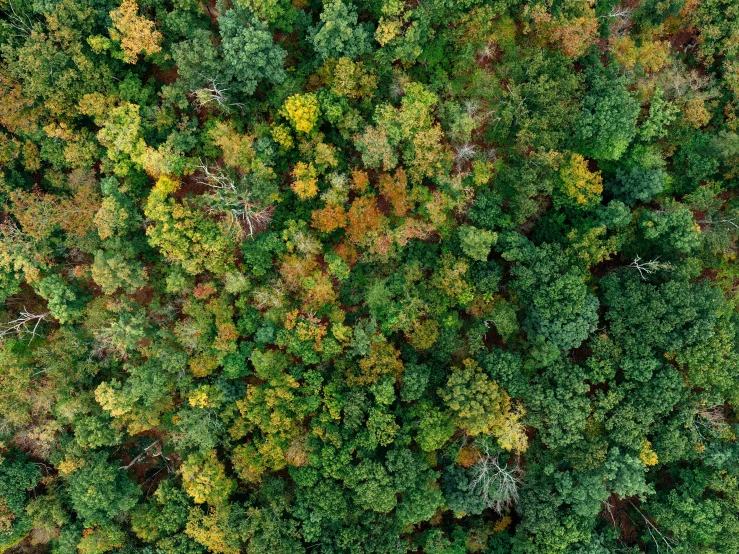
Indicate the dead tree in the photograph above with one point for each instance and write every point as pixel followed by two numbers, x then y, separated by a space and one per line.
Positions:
pixel 496 482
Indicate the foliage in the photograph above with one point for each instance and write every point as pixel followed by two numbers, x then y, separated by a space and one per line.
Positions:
pixel 136 34
pixel 249 54
pixel 608 121
pixel 98 491
pixel 302 111
pixel 369 277
pixel 338 35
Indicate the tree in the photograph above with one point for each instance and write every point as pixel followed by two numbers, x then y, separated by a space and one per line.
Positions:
pixel 64 304
pixel 496 482
pixel 184 235
pixel 198 61
pixel 279 13
pixel 99 491
pixel 578 186
pixel 204 479
pixel 136 34
pixel 249 52
pixel 302 111
pixel 607 123
pixel 369 277
pixel 477 404
pixel 18 476
pixel 640 176
pixel 560 311
pixel 112 270
pixel 673 228
pixel 476 243
pixel 338 35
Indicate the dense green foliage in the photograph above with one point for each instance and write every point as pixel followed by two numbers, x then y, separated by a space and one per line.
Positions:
pixel 369 276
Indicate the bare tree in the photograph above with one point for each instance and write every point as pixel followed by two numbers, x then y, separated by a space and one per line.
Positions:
pixel 143 453
pixel 212 94
pixel 662 542
pixel 22 23
pixel 22 324
pixel 681 82
pixel 617 12
pixel 496 482
pixel 709 420
pixel 465 152
pixel 726 221
pixel 647 268
pixel 235 200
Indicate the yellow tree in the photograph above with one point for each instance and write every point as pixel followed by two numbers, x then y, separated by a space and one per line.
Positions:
pixel 578 185
pixel 136 34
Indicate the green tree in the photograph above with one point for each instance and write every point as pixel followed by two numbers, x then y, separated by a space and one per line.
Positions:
pixel 249 51
pixel 113 270
pixel 64 304
pixel 476 243
pixel 607 124
pixel 99 491
pixel 560 311
pixel 18 476
pixel 338 34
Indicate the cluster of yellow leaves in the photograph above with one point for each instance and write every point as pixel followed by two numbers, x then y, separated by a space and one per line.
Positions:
pixel 348 78
pixel 185 235
pixel 276 410
pixel 512 435
pixel 592 245
pixel 211 530
pixel 449 279
pixel 647 455
pixel 199 398
pixel 480 406
pixel 204 479
pixel 237 149
pixel 306 328
pixel 305 183
pixel 383 359
pixel 136 34
pixel 302 111
pixel 282 136
pixel 387 30
pixel 650 55
pixel 578 184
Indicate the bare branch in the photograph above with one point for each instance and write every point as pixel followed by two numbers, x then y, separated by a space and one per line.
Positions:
pixel 22 324
pixel 22 24
pixel 235 200
pixel 729 221
pixel 657 536
pixel 141 455
pixel 497 483
pixel 647 268
pixel 215 94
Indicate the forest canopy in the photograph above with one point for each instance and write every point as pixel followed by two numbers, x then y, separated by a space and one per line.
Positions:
pixel 369 276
